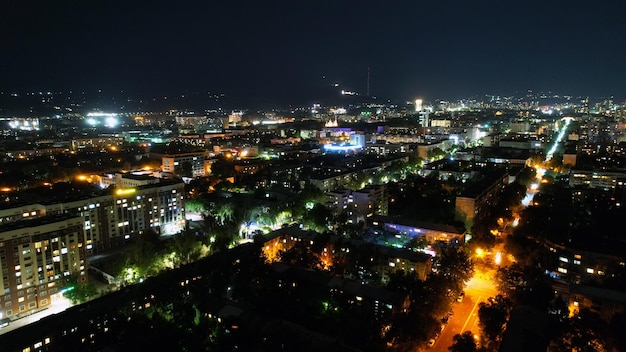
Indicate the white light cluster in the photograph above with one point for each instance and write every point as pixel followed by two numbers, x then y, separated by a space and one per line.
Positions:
pixel 109 120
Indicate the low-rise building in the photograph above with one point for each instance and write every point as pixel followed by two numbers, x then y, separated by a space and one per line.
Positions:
pixel 432 232
pixel 327 183
pixel 385 260
pixel 602 179
pixel 99 143
pixel 577 263
pixel 176 164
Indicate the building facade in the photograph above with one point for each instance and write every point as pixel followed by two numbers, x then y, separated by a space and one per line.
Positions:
pixel 35 258
pixel 477 201
pixel 174 163
pixel 110 219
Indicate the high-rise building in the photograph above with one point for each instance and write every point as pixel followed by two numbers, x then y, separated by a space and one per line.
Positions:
pixel 111 218
pixel 418 105
pixel 35 258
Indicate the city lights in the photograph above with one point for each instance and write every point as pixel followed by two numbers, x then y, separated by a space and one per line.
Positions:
pixel 109 120
pixel 125 191
pixel 342 147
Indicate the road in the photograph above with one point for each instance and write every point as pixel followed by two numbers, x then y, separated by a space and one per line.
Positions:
pixel 478 289
pixel 482 285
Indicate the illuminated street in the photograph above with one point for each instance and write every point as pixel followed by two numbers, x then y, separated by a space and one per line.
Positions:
pixel 482 285
pixel 477 290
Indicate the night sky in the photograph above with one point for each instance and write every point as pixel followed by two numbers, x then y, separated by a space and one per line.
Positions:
pixel 294 51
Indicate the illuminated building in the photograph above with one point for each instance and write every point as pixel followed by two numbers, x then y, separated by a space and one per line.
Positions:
pixel 110 219
pixel 342 148
pixel 602 179
pixel 234 119
pixel 423 117
pixel 248 167
pixel 174 163
pixel 444 123
pixel 418 105
pixel 432 232
pixel 191 121
pixel 359 205
pixel 331 123
pixel 326 183
pixel 26 211
pixel 445 169
pixel 98 143
pixel 386 260
pixel 35 257
pixel 384 149
pixel 128 180
pixel 578 263
pixel 20 124
pixel 423 149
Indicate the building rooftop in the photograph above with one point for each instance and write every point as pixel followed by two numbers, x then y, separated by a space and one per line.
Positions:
pixel 418 224
pixel 34 222
pixel 474 190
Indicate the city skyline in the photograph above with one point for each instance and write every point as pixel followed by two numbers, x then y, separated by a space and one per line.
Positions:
pixel 297 53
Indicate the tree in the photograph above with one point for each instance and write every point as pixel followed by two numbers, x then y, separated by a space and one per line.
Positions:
pixel 436 153
pixel 526 176
pixel 481 233
pixel 525 250
pixel 140 257
pixel 187 247
pixel 525 285
pixel 318 218
pixel 404 281
pixel 222 212
pixel 196 205
pixel 78 292
pixel 582 332
pixel 492 317
pixel 456 266
pixel 301 255
pixel 464 342
pixel 510 278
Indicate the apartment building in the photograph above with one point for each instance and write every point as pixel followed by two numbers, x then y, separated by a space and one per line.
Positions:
pixel 112 217
pixel 175 163
pixel 35 257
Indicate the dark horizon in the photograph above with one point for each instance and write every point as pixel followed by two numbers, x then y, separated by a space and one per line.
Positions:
pixel 293 53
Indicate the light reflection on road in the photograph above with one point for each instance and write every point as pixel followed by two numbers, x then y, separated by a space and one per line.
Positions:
pixel 478 289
